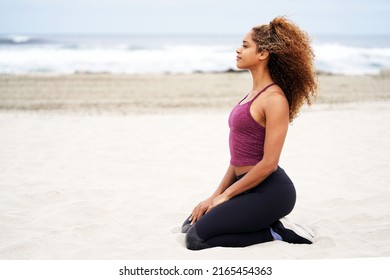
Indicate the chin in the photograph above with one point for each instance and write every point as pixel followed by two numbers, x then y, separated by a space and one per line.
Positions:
pixel 241 66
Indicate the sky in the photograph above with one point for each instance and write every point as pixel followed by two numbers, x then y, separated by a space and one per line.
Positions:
pixel 190 16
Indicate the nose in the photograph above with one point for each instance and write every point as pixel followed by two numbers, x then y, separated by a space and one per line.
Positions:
pixel 238 50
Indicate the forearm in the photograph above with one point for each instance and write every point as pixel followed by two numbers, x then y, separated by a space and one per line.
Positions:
pixel 253 178
pixel 228 179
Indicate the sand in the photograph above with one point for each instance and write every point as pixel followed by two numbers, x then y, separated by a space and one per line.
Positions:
pixel 162 94
pixel 109 166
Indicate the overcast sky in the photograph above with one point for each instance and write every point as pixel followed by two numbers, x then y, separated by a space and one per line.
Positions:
pixel 190 16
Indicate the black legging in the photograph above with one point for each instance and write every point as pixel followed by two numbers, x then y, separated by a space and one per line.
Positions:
pixel 245 219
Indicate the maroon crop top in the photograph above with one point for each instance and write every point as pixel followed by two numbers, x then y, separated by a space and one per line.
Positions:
pixel 246 139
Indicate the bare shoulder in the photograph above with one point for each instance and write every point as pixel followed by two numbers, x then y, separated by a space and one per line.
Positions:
pixel 272 104
pixel 276 107
pixel 275 98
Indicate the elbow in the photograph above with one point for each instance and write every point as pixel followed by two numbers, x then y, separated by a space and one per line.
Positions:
pixel 270 166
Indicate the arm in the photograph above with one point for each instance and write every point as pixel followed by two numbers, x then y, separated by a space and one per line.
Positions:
pixel 227 181
pixel 202 207
pixel 276 111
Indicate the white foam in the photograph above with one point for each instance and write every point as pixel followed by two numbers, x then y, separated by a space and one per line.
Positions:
pixel 339 59
pixel 20 39
pixel 172 59
pixel 159 55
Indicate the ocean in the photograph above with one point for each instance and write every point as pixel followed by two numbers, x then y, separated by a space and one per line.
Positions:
pixel 140 54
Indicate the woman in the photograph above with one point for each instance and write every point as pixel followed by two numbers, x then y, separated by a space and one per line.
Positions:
pixel 255 195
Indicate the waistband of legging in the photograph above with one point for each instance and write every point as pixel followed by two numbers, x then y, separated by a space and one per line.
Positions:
pixel 238 177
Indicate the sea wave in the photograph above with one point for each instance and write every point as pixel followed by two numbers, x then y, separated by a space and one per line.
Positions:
pixel 180 59
pixel 136 54
pixel 340 59
pixel 13 40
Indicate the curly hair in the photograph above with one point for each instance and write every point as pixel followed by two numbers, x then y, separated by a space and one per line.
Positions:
pixel 291 60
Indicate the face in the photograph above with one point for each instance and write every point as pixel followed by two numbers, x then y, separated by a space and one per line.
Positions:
pixel 247 55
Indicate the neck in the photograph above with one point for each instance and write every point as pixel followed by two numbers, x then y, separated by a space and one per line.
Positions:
pixel 261 77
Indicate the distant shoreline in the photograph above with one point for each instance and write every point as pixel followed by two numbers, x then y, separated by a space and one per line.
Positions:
pixel 383 72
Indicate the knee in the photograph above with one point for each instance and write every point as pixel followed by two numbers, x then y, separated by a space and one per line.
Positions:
pixel 193 241
pixel 186 226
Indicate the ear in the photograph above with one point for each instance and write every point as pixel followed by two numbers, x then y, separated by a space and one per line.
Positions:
pixel 263 55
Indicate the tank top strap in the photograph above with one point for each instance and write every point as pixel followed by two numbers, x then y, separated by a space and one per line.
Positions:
pixel 264 89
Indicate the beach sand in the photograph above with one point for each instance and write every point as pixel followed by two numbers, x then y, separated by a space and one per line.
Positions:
pixel 109 166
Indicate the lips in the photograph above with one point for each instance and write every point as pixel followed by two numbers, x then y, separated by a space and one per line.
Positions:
pixel 238 58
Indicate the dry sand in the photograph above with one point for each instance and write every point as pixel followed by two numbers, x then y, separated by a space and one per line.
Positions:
pixel 108 166
pixel 151 94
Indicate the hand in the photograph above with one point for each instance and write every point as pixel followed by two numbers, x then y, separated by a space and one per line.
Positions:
pixel 199 210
